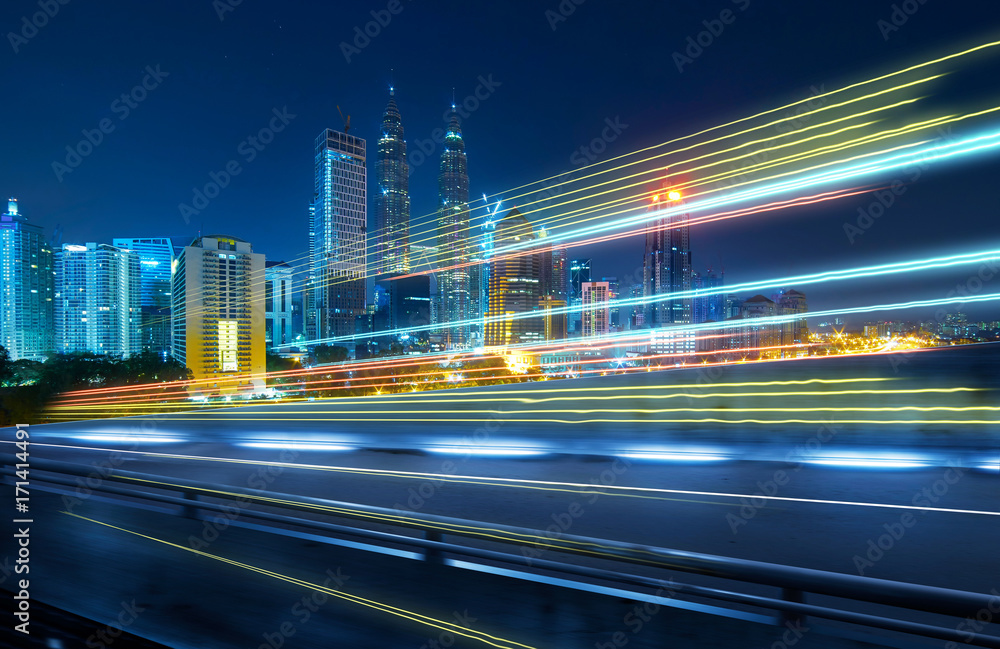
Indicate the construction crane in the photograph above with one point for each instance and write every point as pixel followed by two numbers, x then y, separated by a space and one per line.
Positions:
pixel 347 122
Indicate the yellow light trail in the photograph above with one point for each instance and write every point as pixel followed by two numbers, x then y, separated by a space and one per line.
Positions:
pixel 436 623
pixel 648 411
pixel 773 123
pixel 524 483
pixel 879 422
pixel 95 402
pixel 902 71
pixel 859 84
pixel 460 528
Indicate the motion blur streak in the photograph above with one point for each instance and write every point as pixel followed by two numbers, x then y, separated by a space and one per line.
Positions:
pixel 451 627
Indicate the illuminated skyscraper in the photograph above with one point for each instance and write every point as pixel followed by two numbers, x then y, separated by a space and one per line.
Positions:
pixel 708 308
pixel 579 272
pixel 515 286
pixel 336 282
pixel 98 300
pixel 596 312
pixel 666 267
pixel 392 196
pixel 26 287
pixel 278 289
pixel 156 256
pixel 479 278
pixel 218 314
pixel 453 241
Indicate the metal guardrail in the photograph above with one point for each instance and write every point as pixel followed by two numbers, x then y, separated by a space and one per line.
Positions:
pixel 794 583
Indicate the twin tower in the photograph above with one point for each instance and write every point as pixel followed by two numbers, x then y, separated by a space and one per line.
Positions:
pixel 340 259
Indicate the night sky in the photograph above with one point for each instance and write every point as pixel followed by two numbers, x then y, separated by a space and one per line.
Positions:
pixel 552 92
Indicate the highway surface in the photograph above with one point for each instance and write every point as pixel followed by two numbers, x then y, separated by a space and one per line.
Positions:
pixel 881 466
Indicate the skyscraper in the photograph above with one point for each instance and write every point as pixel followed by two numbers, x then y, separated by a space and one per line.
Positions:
pixel 666 266
pixel 579 272
pixel 336 282
pixel 614 315
pixel 156 256
pixel 705 308
pixel 392 196
pixel 278 281
pixel 453 241
pixel 218 314
pixel 26 287
pixel 479 278
pixel 515 286
pixel 596 312
pixel 98 302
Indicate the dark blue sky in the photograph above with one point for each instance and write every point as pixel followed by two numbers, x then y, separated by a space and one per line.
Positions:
pixel 553 91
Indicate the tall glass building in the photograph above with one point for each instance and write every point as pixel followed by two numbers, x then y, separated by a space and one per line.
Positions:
pixel 666 265
pixel 515 286
pixel 392 196
pixel 278 310
pixel 479 278
pixel 26 287
pixel 156 256
pixel 97 300
pixel 453 240
pixel 336 283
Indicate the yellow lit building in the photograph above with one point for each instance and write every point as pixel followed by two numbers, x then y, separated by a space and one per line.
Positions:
pixel 217 320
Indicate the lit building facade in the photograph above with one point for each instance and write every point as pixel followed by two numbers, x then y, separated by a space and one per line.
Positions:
pixel 666 266
pixel 218 314
pixel 596 314
pixel 392 196
pixel 479 279
pixel 796 331
pixel 453 241
pixel 156 257
pixel 98 305
pixel 515 286
pixel 27 286
pixel 278 312
pixel 579 272
pixel 615 317
pixel 708 308
pixel 337 252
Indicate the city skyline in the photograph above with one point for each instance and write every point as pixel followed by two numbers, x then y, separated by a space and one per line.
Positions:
pixel 617 117
pixel 511 325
